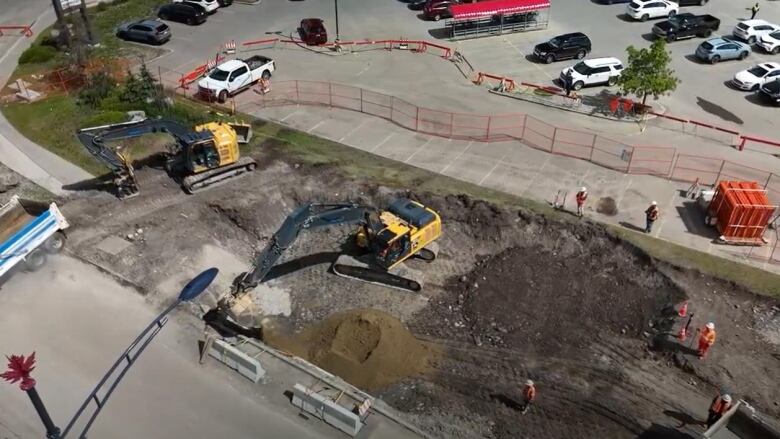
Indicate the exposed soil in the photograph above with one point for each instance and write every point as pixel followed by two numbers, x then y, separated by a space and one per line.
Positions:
pixel 512 295
pixel 12 184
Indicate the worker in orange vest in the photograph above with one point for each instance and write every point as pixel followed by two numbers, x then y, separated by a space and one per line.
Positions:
pixel 582 195
pixel 651 214
pixel 720 405
pixel 529 395
pixel 706 339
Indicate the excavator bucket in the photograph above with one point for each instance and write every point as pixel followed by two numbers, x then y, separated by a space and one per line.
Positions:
pixel 243 131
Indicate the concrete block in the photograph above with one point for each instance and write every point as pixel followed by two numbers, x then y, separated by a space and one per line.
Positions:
pixel 323 408
pixel 237 360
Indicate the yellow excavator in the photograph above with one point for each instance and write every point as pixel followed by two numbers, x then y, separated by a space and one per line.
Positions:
pixel 201 157
pixel 384 240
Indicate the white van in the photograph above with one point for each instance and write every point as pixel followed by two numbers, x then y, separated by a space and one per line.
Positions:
pixel 593 72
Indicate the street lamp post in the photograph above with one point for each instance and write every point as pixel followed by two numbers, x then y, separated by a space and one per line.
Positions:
pixel 338 38
pixel 19 367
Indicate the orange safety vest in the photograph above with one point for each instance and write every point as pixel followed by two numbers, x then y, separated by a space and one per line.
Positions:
pixel 652 213
pixel 581 197
pixel 529 393
pixel 719 405
pixel 707 337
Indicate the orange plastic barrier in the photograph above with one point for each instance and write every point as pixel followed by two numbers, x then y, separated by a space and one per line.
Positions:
pixel 742 210
pixel 25 30
pixel 195 74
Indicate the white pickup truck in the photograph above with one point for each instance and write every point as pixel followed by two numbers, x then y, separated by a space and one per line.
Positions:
pixel 234 75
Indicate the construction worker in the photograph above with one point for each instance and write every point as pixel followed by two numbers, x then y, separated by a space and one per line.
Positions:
pixel 265 86
pixel 529 395
pixel 582 195
pixel 651 214
pixel 706 339
pixel 753 10
pixel 568 82
pixel 720 405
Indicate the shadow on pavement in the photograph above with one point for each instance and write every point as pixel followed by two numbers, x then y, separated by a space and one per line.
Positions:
pixel 684 418
pixel 104 183
pixel 693 217
pixel 657 431
pixel 440 33
pixel 625 18
pixel 630 226
pixel 755 98
pixel 648 37
pixel 694 59
pixel 717 110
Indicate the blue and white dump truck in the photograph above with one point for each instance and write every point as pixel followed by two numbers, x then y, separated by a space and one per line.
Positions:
pixel 29 231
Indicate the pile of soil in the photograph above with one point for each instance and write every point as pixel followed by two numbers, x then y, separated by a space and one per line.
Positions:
pixel 368 348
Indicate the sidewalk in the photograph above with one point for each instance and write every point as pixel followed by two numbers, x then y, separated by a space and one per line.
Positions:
pixel 30 160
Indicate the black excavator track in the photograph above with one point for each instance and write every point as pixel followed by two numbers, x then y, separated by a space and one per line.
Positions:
pixel 215 177
pixel 376 276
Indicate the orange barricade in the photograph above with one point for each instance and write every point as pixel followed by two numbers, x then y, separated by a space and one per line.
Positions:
pixel 24 30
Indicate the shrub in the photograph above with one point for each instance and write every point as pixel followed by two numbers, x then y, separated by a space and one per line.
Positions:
pixel 99 87
pixel 37 54
pixel 141 89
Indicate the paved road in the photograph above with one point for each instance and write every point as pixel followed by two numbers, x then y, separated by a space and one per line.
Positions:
pixel 77 320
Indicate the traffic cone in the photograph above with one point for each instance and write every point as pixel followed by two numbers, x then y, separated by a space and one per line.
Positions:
pixel 682 334
pixel 683 309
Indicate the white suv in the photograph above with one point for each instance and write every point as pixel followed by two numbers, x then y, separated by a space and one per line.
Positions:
pixel 593 72
pixel 752 30
pixel 644 9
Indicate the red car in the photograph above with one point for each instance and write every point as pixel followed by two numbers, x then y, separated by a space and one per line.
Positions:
pixel 313 32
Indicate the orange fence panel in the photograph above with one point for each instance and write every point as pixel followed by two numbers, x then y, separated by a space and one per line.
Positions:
pixel 652 160
pixel 538 134
pixel 506 127
pixel 346 96
pixel 378 104
pixel 404 114
pixel 611 154
pixel 435 122
pixel 572 143
pixel 469 126
pixel 691 168
pixel 311 92
pixel 736 171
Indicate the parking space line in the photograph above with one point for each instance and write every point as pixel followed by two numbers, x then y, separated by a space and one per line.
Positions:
pixel 666 215
pixel 501 160
pixel 382 142
pixel 533 63
pixel 539 172
pixel 355 128
pixel 620 197
pixel 289 115
pixel 418 150
pixel 456 158
pixel 316 125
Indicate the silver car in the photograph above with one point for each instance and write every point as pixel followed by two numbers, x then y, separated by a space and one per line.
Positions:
pixel 720 49
pixel 145 31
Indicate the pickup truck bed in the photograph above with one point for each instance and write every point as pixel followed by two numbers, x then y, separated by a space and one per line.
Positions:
pixel 257 61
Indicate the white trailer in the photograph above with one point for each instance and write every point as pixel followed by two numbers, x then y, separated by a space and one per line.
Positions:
pixel 28 232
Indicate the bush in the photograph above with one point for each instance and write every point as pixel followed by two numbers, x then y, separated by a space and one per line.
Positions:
pixel 102 6
pixel 37 54
pixel 99 87
pixel 142 88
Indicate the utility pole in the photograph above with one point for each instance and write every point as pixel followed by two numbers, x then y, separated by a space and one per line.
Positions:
pixel 87 24
pixel 61 24
pixel 336 2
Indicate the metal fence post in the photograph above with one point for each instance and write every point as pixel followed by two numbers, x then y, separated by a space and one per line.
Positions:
pixel 361 100
pixel 630 160
pixel 525 122
pixel 297 94
pixel 720 171
pixel 487 132
pixel 592 147
pixel 392 100
pixel 768 179
pixel 330 95
pixel 417 119
pixel 452 123
pixel 552 145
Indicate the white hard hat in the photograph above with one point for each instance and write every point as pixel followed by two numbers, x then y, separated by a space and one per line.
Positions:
pixel 727 398
pixel 654 203
pixel 529 383
pixel 710 325
pixel 583 189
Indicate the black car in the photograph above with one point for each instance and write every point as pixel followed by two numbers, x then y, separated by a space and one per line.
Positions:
pixel 224 3
pixel 184 12
pixel 771 91
pixel 690 2
pixel 417 5
pixel 574 45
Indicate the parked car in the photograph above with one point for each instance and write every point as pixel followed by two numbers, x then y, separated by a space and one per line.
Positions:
pixel 313 32
pixel 686 26
pixel 754 77
pixel 233 76
pixel 612 2
pixel 224 3
pixel 573 45
pixel 417 5
pixel 719 49
pixel 645 9
pixel 145 31
pixel 771 91
pixel 593 72
pixel 184 12
pixel 437 9
pixel 752 30
pixel 691 2
pixel 770 42
pixel 210 6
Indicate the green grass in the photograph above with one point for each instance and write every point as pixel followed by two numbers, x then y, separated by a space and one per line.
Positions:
pixel 105 22
pixel 52 123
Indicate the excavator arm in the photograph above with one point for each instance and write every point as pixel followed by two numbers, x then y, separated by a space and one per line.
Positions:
pixel 307 216
pixel 94 140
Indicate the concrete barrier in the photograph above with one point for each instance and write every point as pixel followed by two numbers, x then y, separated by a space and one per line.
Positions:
pixel 323 408
pixel 237 360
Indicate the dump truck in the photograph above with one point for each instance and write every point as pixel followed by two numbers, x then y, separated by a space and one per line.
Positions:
pixel 29 231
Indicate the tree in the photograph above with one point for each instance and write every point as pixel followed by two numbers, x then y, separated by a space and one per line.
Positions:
pixel 141 88
pixel 648 72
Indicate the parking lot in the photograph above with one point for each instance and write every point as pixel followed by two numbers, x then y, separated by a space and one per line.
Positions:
pixel 703 93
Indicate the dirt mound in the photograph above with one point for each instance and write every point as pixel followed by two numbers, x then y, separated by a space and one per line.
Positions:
pixel 368 348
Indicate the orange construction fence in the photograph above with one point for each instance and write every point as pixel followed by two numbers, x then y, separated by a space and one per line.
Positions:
pixel 24 30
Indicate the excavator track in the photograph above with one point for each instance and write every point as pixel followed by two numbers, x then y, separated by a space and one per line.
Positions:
pixel 349 267
pixel 215 177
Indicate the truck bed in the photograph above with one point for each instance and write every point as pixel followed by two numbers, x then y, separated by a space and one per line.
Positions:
pixel 257 61
pixel 15 215
pixel 24 227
